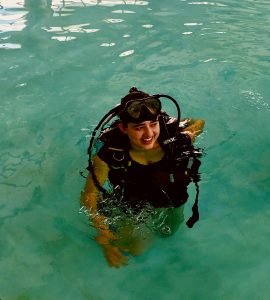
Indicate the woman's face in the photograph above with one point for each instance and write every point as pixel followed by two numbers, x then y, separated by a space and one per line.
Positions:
pixel 142 136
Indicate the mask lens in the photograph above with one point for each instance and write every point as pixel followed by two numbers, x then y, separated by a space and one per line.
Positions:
pixel 134 109
pixel 153 105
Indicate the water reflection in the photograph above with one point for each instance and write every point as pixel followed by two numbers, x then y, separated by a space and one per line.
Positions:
pixel 40 21
pixel 11 21
pixel 35 15
pixel 24 19
pixel 98 2
pixel 38 4
pixel 66 3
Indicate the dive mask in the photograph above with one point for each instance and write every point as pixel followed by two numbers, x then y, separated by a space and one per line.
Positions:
pixel 140 110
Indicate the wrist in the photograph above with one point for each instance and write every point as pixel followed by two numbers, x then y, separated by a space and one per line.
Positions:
pixel 102 240
pixel 105 238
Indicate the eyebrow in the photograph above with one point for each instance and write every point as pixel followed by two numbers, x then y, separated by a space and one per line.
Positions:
pixel 142 124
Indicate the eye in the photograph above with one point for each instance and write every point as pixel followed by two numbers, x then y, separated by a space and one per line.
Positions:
pixel 154 124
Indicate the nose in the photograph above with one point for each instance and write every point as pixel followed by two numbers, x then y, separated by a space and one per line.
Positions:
pixel 148 131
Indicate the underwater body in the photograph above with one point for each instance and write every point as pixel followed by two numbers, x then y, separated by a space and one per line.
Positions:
pixel 64 65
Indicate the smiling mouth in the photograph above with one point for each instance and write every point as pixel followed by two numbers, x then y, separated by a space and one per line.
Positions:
pixel 147 140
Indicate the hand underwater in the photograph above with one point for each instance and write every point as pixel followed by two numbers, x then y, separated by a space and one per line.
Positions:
pixel 114 256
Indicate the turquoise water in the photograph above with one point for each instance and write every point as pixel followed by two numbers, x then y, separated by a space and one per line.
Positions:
pixel 62 67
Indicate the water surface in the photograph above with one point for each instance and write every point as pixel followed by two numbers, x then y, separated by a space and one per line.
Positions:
pixel 63 65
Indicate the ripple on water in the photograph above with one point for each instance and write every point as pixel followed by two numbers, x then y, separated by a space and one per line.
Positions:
pixel 167 57
pixel 10 46
pixel 113 21
pixel 12 21
pixel 123 12
pixel 126 53
pixel 256 100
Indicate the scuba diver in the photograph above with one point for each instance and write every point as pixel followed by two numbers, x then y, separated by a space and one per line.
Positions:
pixel 142 161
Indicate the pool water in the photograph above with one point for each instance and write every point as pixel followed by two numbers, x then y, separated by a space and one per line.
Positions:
pixel 63 65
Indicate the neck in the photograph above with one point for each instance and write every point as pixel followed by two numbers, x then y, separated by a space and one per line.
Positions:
pixel 143 150
pixel 145 157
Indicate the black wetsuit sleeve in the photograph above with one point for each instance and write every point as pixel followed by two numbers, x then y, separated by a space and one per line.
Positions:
pixel 184 139
pixel 104 155
pixel 115 142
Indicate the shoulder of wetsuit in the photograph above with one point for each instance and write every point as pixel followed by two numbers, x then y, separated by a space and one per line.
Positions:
pixel 115 145
pixel 168 127
pixel 170 130
pixel 174 141
pixel 113 137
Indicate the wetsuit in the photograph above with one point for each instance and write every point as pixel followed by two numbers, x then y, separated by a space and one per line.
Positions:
pixel 160 184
